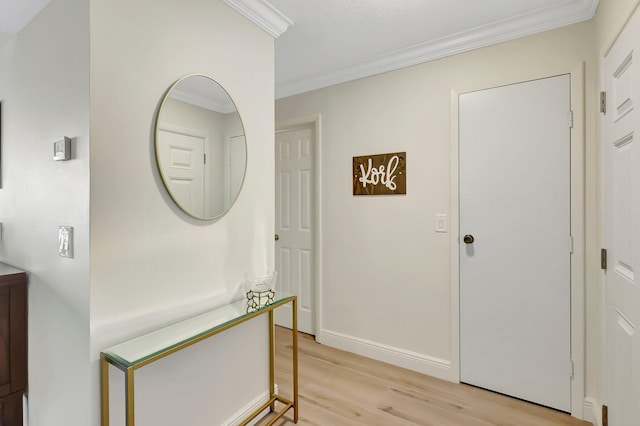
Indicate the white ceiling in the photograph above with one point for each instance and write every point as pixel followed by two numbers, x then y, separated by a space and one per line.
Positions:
pixel 333 41
pixel 324 42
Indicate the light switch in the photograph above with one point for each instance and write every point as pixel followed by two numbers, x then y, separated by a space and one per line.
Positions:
pixel 441 223
pixel 65 241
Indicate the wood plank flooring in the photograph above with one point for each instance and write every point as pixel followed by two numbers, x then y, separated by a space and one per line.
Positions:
pixel 337 388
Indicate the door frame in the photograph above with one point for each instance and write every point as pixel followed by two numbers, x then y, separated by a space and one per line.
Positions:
pixel 577 230
pixel 315 122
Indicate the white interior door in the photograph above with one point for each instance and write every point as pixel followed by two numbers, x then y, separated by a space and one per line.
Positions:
pixel 182 159
pixel 622 227
pixel 515 277
pixel 295 209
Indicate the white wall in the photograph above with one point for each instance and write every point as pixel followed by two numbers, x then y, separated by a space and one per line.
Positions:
pixel 150 263
pixel 610 18
pixel 386 273
pixel 44 89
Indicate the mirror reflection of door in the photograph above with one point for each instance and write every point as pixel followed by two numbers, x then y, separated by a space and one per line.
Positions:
pixel 200 147
pixel 236 163
pixel 182 159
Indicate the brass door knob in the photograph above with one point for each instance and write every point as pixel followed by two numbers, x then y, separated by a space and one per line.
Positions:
pixel 277 237
pixel 468 239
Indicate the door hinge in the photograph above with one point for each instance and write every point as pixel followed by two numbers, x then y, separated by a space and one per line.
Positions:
pixel 571 369
pixel 205 158
pixel 603 259
pixel 570 119
pixel 603 102
pixel 605 415
pixel 571 244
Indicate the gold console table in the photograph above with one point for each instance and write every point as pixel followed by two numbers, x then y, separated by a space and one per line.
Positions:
pixel 140 351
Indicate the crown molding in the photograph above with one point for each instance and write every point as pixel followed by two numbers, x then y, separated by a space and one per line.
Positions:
pixel 222 105
pixel 263 14
pixel 543 19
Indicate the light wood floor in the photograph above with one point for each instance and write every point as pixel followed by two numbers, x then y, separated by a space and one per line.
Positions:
pixel 338 388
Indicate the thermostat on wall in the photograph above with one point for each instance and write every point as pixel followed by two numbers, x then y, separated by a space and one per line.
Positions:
pixel 62 149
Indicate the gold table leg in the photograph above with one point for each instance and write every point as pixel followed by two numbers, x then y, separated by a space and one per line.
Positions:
pixel 272 358
pixel 129 385
pixel 294 330
pixel 104 377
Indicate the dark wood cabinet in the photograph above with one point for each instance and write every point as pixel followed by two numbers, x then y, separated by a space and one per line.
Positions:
pixel 11 410
pixel 13 344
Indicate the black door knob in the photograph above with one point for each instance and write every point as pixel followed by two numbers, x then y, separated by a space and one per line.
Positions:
pixel 468 239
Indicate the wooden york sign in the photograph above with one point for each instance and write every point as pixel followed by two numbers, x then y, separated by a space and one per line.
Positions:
pixel 380 174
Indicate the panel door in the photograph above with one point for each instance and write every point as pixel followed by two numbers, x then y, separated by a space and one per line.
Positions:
pixel 182 159
pixel 622 228
pixel 294 224
pixel 515 276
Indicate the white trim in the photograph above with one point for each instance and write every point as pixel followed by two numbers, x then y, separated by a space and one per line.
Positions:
pixel 424 364
pixel 222 105
pixel 602 219
pixel 578 217
pixel 543 19
pixel 454 234
pixel 248 409
pixel 315 121
pixel 263 14
pixel 592 411
pixel 577 230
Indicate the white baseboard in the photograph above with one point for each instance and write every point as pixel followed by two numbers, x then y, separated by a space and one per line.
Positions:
pixel 245 411
pixel 402 358
pixel 593 411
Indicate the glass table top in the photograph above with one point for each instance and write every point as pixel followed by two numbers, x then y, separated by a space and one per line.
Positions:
pixel 142 348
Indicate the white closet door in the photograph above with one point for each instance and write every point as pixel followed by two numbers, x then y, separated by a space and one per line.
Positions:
pixel 515 277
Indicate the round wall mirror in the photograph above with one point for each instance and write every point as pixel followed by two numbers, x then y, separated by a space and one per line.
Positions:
pixel 200 147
